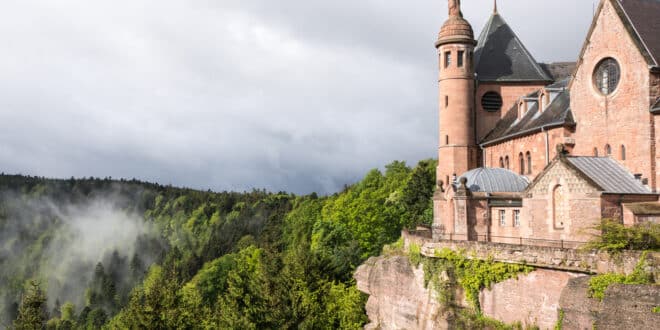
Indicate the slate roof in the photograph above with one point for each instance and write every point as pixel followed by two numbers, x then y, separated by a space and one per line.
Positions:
pixel 486 179
pixel 609 175
pixel 556 114
pixel 500 55
pixel 656 107
pixel 644 16
pixel 559 70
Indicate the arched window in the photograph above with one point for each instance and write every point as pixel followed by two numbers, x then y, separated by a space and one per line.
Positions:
pixel 506 162
pixel 529 162
pixel 623 152
pixel 608 150
pixel 595 152
pixel 521 161
pixel 501 162
pixel 559 207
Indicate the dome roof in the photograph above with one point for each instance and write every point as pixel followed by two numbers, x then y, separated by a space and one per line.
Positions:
pixel 456 29
pixel 486 179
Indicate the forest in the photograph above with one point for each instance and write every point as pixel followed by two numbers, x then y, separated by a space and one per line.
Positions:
pixel 100 253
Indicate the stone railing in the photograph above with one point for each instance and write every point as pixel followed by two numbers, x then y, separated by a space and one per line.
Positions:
pixel 574 260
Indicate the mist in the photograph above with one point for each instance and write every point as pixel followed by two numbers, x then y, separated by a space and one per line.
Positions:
pixel 60 243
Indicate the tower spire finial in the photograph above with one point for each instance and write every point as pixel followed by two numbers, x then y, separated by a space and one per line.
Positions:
pixel 494 6
pixel 455 8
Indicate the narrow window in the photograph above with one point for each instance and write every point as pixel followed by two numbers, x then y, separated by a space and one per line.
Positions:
pixel 521 160
pixel 559 207
pixel 459 58
pixel 529 162
pixel 447 59
pixel 608 150
pixel 446 139
pixel 447 180
pixel 469 60
pixel 623 152
pixel 446 101
pixel 502 218
pixel 506 162
pixel 501 162
pixel 516 218
pixel 595 152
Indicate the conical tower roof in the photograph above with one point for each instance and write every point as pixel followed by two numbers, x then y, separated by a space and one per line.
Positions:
pixel 455 29
pixel 500 56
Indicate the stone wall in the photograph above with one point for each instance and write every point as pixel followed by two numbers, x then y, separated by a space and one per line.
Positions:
pixel 534 144
pixel 548 257
pixel 532 299
pixel 621 118
pixel 561 205
pixel 510 94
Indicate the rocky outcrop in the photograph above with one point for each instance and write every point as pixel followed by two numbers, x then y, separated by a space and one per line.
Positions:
pixel 579 310
pixel 398 299
pixel 397 296
pixel 624 306
pixel 532 299
pixel 630 307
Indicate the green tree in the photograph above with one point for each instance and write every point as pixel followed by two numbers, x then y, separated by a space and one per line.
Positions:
pixel 32 312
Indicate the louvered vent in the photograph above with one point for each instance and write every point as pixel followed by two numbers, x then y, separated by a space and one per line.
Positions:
pixel 491 102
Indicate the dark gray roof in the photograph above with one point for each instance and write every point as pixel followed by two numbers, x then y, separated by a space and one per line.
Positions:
pixel 559 70
pixel 501 56
pixel 556 114
pixel 644 18
pixel 486 179
pixel 656 107
pixel 609 175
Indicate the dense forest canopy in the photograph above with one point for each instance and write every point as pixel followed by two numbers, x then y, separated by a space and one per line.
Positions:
pixel 93 253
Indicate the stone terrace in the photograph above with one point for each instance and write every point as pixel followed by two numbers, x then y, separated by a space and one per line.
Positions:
pixel 565 259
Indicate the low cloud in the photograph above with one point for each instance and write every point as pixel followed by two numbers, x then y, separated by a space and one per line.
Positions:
pixel 231 95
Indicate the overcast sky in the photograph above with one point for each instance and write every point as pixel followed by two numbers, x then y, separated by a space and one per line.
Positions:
pixel 294 95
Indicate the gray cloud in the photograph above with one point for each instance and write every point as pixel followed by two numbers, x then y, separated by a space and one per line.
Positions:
pixel 287 95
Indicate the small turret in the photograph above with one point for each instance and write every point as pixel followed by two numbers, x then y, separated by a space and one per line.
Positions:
pixel 456 29
pixel 457 146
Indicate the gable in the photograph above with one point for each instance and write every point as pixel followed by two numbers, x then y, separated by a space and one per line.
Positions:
pixel 643 23
pixel 560 173
pixel 617 30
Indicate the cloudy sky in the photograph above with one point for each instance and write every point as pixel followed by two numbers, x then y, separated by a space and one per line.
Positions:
pixel 295 95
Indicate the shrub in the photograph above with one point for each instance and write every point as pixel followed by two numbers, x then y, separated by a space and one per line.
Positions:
pixel 616 237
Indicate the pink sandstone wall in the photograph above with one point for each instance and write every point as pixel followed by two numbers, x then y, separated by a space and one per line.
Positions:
pixel 532 299
pixel 568 214
pixel 622 118
pixel 535 144
pixel 507 233
pixel 478 217
pixel 611 207
pixel 510 94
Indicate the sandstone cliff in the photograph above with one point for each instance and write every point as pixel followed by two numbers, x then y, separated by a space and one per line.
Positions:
pixel 398 299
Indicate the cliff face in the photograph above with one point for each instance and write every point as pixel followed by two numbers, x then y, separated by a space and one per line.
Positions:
pixel 399 300
pixel 397 297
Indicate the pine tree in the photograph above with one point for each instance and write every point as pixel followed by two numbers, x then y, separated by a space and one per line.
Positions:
pixel 32 312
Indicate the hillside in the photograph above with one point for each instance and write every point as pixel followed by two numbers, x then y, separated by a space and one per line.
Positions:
pixel 91 253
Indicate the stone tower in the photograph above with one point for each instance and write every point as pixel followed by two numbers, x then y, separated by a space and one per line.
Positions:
pixel 458 151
